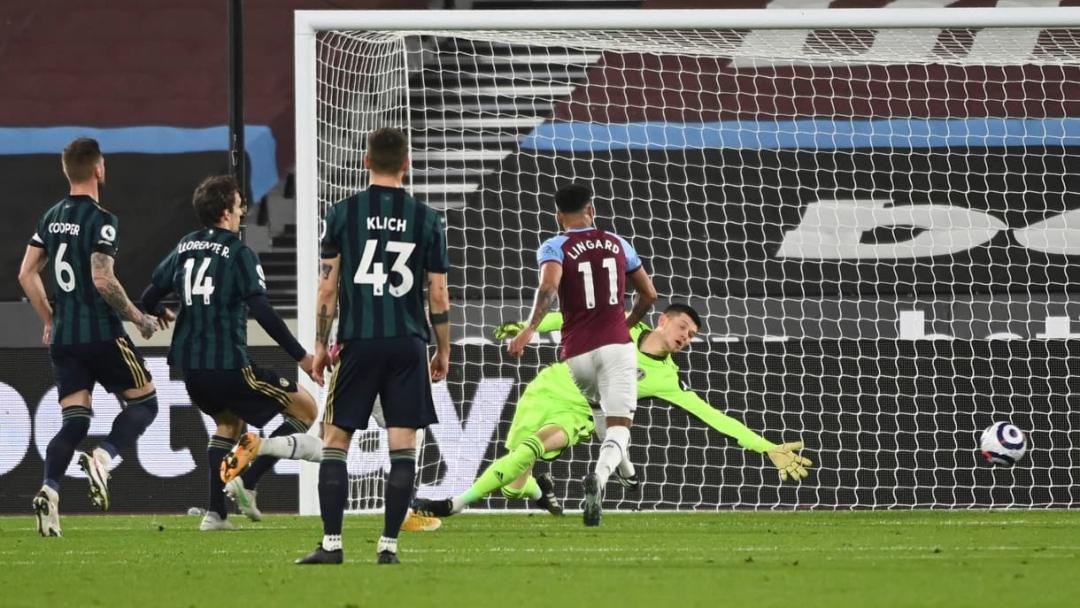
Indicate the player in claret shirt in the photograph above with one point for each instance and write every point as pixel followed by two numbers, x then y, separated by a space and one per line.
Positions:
pixel 588 269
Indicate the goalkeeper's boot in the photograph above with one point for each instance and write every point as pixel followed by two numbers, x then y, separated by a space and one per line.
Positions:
pixel 547 499
pixel 593 497
pixel 388 557
pixel 47 511
pixel 631 483
pixel 434 508
pixel 244 499
pixel 240 456
pixel 212 522
pixel 96 467
pixel 322 556
pixel 414 522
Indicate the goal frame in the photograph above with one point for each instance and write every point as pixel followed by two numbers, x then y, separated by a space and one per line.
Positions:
pixel 307 23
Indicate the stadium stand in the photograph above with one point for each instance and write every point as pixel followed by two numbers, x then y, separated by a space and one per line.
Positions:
pixel 156 101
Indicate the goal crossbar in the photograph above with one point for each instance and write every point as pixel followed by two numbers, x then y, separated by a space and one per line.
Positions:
pixel 309 22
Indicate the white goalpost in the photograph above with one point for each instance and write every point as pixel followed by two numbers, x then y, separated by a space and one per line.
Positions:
pixel 874 211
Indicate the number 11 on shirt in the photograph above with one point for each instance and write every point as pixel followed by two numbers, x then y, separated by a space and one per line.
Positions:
pixel 590 288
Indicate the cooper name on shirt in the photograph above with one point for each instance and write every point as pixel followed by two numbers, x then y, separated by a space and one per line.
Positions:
pixel 64 228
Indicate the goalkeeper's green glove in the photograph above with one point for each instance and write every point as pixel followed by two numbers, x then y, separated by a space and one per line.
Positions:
pixel 787 460
pixel 508 330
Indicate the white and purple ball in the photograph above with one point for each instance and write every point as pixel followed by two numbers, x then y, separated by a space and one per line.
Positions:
pixel 1003 444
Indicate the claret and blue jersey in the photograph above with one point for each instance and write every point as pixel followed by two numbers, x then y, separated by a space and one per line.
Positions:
pixel 593 286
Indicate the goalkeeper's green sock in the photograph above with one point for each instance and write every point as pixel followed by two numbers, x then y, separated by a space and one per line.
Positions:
pixel 502 472
pixel 529 491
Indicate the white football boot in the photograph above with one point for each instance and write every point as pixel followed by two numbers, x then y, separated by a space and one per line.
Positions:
pixel 96 467
pixel 244 498
pixel 212 522
pixel 47 511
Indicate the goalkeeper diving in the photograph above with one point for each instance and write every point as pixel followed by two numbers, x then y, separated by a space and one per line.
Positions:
pixel 552 415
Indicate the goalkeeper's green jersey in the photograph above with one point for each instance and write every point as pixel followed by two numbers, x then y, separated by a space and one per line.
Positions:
pixel 658 378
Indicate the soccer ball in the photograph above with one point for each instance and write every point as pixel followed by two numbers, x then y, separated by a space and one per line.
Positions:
pixel 1003 444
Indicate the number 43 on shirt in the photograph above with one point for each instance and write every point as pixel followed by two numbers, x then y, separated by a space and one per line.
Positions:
pixel 372 273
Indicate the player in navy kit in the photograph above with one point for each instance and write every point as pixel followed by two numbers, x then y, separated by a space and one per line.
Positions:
pixel 75 243
pixel 219 281
pixel 587 269
pixel 381 248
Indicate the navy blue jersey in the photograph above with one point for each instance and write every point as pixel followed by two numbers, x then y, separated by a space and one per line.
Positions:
pixel 213 272
pixel 387 241
pixel 70 232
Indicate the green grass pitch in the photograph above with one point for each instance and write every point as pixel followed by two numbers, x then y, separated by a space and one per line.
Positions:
pixel 726 559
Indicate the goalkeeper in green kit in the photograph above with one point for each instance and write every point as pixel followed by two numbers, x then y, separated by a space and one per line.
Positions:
pixel 553 415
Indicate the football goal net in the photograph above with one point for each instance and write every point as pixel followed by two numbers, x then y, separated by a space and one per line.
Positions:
pixel 874 212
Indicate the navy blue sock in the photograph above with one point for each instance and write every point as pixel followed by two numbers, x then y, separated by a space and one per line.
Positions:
pixel 62 447
pixel 399 490
pixel 130 424
pixel 333 489
pixel 216 450
pixel 262 464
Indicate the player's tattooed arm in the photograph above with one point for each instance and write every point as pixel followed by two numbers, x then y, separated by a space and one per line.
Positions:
pixel 545 299
pixel 326 309
pixel 326 300
pixel 546 293
pixel 101 267
pixel 323 323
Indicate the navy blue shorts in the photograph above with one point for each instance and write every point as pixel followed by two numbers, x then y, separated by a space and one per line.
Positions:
pixel 393 369
pixel 253 394
pixel 114 364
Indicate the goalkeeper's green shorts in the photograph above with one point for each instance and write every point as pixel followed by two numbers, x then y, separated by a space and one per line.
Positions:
pixel 533 414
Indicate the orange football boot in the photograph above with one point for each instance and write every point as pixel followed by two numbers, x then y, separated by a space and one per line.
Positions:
pixel 238 459
pixel 420 523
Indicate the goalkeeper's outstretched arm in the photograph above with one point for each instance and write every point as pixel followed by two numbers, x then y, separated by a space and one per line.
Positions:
pixel 785 457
